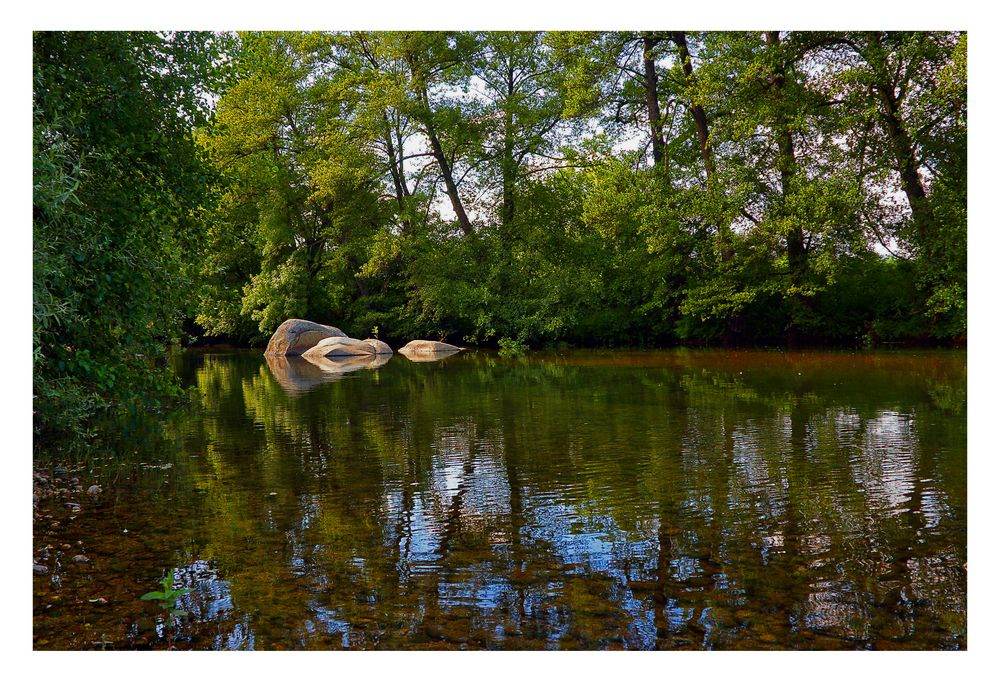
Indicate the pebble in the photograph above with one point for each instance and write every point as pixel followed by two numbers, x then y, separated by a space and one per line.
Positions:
pixel 72 506
pixel 94 490
pixel 41 570
pixel 81 559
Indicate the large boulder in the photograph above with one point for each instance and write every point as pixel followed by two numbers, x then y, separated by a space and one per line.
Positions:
pixel 428 347
pixel 294 337
pixel 340 346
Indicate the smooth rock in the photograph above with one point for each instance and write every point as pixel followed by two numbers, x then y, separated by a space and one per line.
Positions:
pixel 294 337
pixel 81 559
pixel 421 346
pixel 94 490
pixel 381 347
pixel 339 346
pixel 41 570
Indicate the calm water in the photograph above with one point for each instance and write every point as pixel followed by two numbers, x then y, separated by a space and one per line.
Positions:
pixel 661 500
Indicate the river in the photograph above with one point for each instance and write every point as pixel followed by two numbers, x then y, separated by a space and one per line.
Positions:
pixel 574 500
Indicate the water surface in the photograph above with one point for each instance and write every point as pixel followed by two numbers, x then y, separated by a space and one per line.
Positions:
pixel 581 500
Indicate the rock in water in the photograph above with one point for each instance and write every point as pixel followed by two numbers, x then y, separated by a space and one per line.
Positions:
pixel 336 346
pixel 381 347
pixel 294 337
pixel 428 347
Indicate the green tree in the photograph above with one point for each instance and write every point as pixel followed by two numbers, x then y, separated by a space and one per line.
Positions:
pixel 305 196
pixel 908 92
pixel 119 189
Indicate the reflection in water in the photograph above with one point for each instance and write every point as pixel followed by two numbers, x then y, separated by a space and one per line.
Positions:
pixel 425 356
pixel 639 501
pixel 343 364
pixel 300 375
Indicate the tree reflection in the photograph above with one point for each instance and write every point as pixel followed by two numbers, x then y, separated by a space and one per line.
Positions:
pixel 678 501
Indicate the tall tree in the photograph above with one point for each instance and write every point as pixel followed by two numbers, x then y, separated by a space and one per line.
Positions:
pixel 309 193
pixel 521 98
pixel 438 62
pixel 909 87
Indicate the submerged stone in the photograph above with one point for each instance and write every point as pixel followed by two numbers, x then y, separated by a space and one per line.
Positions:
pixel 427 351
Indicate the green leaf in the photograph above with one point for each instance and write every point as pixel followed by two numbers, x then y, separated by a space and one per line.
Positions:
pixel 149 596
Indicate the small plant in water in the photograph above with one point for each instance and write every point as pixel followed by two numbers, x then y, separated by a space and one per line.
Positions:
pixel 167 598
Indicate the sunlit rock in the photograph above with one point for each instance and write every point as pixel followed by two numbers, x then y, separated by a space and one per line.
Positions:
pixel 294 337
pixel 336 346
pixel 427 351
pixel 381 347
pixel 420 346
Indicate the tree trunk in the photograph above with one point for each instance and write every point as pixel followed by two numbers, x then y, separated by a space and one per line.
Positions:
pixel 906 164
pixel 420 88
pixel 398 179
pixel 798 262
pixel 449 181
pixel 697 111
pixel 653 100
pixel 508 168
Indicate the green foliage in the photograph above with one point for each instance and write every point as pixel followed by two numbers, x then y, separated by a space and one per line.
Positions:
pixel 167 601
pixel 510 348
pixel 337 206
pixel 119 190
pixel 167 597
